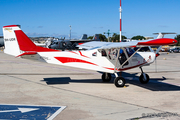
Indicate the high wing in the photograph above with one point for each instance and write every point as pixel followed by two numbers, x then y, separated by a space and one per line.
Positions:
pixel 142 43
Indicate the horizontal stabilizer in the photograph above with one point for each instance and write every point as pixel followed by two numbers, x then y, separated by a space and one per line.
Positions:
pixel 27 53
pixel 161 34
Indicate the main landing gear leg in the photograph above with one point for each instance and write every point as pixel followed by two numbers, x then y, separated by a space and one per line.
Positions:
pixel 144 78
pixel 106 77
pixel 119 81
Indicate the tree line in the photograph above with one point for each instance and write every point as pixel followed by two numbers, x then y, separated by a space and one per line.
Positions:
pixel 178 39
pixel 115 38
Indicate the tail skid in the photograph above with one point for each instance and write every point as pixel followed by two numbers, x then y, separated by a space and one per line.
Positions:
pixel 17 43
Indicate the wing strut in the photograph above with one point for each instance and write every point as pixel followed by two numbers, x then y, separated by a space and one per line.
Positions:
pixel 130 57
pixel 116 60
pixel 126 60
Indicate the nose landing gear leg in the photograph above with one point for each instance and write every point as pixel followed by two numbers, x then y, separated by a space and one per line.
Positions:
pixel 144 78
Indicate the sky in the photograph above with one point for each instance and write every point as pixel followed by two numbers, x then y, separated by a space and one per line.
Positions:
pixel 52 18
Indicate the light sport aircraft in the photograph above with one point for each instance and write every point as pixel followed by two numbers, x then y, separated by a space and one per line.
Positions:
pixel 106 57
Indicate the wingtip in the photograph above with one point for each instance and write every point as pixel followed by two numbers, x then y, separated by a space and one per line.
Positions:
pixel 159 41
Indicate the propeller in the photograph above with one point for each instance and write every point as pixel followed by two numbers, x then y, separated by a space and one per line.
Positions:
pixel 157 54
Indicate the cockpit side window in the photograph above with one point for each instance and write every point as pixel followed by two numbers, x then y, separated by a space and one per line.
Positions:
pixel 103 53
pixel 122 57
pixel 129 51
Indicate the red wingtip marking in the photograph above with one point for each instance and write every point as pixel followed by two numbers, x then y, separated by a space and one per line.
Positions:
pixel 161 41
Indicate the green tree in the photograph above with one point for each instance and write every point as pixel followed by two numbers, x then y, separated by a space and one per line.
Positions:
pixel 138 37
pixel 90 37
pixel 102 37
pixel 178 39
pixel 115 37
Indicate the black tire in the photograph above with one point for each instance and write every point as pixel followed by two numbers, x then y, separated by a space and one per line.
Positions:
pixel 142 80
pixel 108 77
pixel 119 82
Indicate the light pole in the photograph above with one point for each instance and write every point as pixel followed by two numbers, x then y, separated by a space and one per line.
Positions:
pixel 120 11
pixel 70 32
pixel 108 33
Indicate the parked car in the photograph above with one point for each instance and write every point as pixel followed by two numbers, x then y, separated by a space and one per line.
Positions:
pixel 176 50
pixel 162 50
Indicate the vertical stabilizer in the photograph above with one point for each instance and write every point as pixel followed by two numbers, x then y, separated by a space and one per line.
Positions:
pixel 10 40
pixel 84 36
pixel 17 42
pixel 96 37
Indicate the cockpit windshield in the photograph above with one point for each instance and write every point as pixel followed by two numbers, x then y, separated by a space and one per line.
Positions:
pixel 112 55
pixel 129 51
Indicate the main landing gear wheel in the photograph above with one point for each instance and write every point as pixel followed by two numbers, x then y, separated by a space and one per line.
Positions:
pixel 119 82
pixel 144 78
pixel 106 77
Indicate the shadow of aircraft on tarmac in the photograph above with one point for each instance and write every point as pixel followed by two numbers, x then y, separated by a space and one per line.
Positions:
pixel 155 84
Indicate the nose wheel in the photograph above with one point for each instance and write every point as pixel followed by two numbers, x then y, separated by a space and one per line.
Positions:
pixel 144 78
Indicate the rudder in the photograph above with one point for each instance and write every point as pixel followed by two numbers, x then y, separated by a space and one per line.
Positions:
pixel 10 40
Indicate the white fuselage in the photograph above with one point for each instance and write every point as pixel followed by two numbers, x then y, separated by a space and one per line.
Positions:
pixel 93 60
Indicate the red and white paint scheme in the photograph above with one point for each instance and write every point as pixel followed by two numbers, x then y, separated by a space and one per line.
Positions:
pixel 105 57
pixel 120 15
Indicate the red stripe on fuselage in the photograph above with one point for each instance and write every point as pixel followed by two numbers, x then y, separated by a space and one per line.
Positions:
pixel 74 52
pixel 72 60
pixel 82 54
pixel 126 68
